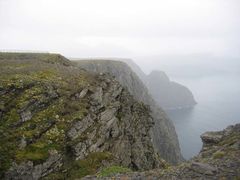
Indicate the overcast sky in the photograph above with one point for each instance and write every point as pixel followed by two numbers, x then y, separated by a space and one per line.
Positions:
pixel 123 28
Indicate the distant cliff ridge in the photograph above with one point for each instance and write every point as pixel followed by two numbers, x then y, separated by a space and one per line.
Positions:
pixel 167 93
pixel 164 134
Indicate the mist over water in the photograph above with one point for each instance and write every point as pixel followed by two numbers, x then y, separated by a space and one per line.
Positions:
pixel 218 98
pixel 214 82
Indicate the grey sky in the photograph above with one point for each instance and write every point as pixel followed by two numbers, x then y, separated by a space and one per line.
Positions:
pixel 124 28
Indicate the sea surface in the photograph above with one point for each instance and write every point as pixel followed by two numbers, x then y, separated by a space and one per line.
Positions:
pixel 218 106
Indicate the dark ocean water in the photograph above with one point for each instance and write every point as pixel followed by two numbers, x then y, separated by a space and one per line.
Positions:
pixel 218 106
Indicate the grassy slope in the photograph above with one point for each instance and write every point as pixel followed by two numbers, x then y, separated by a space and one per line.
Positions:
pixel 43 83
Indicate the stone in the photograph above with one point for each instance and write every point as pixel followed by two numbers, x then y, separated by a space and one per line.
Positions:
pixel 108 114
pixel 80 150
pixel 82 93
pixel 27 171
pixel 23 143
pixel 116 91
pixel 211 137
pixel 203 168
pixel 98 95
pixel 80 126
pixel 20 172
pixel 26 115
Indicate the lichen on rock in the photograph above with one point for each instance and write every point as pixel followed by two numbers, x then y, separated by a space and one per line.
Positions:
pixel 58 120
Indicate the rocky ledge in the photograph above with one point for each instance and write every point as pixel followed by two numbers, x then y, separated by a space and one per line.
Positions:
pixel 218 159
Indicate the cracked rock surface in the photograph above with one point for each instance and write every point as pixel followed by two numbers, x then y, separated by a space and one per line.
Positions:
pixel 218 159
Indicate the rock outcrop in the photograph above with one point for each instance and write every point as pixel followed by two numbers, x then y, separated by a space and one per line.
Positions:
pixel 218 159
pixel 61 122
pixel 164 135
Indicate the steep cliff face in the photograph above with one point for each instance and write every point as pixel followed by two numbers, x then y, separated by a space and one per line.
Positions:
pixel 58 121
pixel 218 159
pixel 164 135
pixel 167 93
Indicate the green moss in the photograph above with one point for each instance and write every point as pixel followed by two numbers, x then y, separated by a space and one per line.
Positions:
pixel 90 165
pixel 109 171
pixel 6 153
pixel 37 152
pixel 42 57
pixel 12 116
pixel 55 176
pixel 218 155
pixel 29 81
pixel 74 110
pixel 45 75
pixel 55 134
pixel 230 140
pixel 33 93
pixel 35 156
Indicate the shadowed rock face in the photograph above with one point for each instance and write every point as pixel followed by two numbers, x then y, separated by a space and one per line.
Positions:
pixel 59 121
pixel 164 135
pixel 218 159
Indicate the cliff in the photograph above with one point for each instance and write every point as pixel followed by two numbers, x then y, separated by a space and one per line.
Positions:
pixel 167 93
pixel 58 121
pixel 164 136
pixel 218 159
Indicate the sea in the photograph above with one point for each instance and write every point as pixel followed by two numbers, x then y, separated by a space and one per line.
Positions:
pixel 218 106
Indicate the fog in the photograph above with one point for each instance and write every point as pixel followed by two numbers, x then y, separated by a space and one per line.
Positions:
pixel 122 28
pixel 186 39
